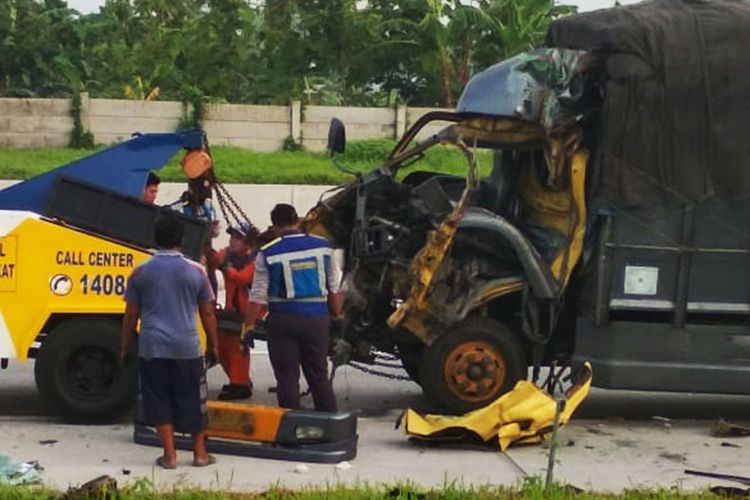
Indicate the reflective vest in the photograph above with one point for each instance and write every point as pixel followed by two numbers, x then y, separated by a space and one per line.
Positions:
pixel 298 269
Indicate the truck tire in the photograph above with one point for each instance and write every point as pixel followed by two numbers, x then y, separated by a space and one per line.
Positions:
pixel 471 365
pixel 410 354
pixel 77 371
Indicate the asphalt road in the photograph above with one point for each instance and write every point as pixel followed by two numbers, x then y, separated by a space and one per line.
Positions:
pixel 613 442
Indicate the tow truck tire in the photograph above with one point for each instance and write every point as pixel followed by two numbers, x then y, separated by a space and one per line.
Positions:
pixel 471 365
pixel 77 371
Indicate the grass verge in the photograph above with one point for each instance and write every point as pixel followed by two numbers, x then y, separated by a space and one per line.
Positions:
pixel 532 489
pixel 236 165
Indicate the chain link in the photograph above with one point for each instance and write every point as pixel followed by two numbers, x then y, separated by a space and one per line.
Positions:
pixel 377 373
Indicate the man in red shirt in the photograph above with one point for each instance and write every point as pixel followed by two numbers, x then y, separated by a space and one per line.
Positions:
pixel 237 264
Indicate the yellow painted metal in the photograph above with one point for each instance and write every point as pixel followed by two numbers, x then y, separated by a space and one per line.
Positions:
pixel 60 270
pixel 561 210
pixel 414 313
pixel 523 415
pixel 514 285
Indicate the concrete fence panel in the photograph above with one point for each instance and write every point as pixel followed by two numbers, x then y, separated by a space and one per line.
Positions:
pixel 262 128
pixel 414 114
pixel 34 123
pixel 361 123
pixel 113 120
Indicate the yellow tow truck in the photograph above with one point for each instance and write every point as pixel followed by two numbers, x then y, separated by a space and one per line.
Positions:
pixel 69 239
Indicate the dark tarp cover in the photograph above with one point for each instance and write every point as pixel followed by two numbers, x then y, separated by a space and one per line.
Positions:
pixel 676 114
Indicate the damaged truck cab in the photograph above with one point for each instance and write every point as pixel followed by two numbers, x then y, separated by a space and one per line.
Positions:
pixel 461 276
pixel 551 257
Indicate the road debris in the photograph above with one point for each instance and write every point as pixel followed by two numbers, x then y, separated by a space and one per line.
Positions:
pixel 728 429
pixel 664 420
pixel 675 457
pixel 301 469
pixel 523 415
pixel 729 491
pixel 599 430
pixel 100 487
pixel 45 442
pixel 15 473
pixel 726 477
pixel 727 444
pixel 343 466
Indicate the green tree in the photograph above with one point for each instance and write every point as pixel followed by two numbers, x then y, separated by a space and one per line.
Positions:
pixel 524 22
pixel 32 34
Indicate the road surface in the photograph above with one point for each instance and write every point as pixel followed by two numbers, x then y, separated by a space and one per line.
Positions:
pixel 612 443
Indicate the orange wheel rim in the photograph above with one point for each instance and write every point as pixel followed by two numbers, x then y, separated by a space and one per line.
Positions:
pixel 474 371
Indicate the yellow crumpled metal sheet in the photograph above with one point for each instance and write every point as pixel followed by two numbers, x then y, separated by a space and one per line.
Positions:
pixel 523 415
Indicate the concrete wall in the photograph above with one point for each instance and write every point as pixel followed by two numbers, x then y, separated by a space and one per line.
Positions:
pixel 361 123
pixel 262 128
pixel 113 120
pixel 37 123
pixel 34 123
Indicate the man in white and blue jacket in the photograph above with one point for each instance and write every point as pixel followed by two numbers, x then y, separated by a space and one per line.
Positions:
pixel 298 282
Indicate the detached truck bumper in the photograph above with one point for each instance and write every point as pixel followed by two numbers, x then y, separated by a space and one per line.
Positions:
pixel 270 432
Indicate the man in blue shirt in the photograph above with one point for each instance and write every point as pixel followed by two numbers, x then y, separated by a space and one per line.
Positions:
pixel 295 278
pixel 165 293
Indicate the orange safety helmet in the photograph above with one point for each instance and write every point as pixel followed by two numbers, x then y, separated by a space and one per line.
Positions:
pixel 196 163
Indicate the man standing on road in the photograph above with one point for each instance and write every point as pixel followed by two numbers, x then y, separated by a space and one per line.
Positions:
pixel 295 277
pixel 164 293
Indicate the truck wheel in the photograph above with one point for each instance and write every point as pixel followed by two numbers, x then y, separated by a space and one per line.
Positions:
pixel 411 354
pixel 77 372
pixel 471 365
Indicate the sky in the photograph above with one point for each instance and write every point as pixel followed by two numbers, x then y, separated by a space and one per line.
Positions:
pixel 87 6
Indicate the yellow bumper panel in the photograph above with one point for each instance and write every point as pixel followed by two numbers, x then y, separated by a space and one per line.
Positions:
pixel 523 415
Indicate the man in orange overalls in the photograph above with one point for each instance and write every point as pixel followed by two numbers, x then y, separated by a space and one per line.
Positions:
pixel 237 264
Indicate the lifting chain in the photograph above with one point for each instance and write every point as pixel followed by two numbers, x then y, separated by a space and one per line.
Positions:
pixel 377 373
pixel 231 211
pixel 381 359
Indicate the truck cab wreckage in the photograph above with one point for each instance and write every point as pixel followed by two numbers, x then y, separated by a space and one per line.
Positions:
pixel 594 236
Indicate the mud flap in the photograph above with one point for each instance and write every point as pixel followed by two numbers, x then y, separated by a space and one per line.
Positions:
pixel 270 432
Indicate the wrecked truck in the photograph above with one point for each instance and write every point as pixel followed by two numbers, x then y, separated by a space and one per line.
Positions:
pixel 612 227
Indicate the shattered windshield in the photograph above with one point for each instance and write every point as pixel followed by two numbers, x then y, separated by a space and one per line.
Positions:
pixel 541 86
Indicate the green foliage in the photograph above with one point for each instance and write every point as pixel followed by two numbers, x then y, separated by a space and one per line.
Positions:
pixel 238 165
pixel 79 137
pixel 193 108
pixel 369 53
pixel 373 151
pixel 290 145
pixel 530 489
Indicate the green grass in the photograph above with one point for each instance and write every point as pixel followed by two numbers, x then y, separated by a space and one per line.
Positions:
pixel 235 165
pixel 532 489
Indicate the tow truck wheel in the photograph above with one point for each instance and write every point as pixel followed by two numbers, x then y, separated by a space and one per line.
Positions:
pixel 77 371
pixel 472 365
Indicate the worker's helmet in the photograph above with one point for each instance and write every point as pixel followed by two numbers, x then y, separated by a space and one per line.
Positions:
pixel 245 230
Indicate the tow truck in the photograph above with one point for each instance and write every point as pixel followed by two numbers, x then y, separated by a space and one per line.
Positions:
pixel 69 239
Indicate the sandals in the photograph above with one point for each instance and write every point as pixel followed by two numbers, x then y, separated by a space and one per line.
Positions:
pixel 162 462
pixel 210 460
